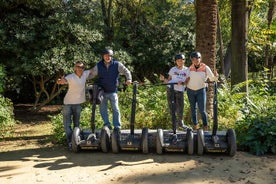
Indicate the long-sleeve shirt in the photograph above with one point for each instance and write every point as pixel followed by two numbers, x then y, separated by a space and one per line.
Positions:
pixel 198 76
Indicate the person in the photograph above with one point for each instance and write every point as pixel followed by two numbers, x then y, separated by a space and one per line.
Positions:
pixel 178 74
pixel 107 70
pixel 73 99
pixel 196 89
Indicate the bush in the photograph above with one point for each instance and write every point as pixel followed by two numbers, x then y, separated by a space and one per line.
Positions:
pixel 256 131
pixel 6 115
pixel 6 107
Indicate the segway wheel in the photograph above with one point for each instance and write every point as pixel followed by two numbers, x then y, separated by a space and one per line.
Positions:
pixel 145 145
pixel 232 145
pixel 190 142
pixel 200 141
pixel 105 139
pixel 159 142
pixel 75 140
pixel 115 140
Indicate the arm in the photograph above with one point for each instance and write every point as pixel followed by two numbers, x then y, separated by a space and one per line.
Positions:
pixel 211 75
pixel 162 78
pixel 122 69
pixel 93 72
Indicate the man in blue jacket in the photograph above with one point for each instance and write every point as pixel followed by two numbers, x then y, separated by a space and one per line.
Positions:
pixel 107 70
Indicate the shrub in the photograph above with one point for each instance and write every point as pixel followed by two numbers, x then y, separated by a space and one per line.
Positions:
pixel 6 115
pixel 256 131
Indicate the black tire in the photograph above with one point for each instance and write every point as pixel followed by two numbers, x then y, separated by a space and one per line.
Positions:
pixel 105 139
pixel 115 141
pixel 76 139
pixel 145 145
pixel 200 142
pixel 159 141
pixel 232 145
pixel 190 142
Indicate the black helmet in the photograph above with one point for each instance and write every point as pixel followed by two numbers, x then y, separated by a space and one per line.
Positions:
pixel 196 55
pixel 179 56
pixel 108 51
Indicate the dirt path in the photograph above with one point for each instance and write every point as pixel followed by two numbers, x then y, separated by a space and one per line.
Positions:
pixel 57 165
pixel 33 159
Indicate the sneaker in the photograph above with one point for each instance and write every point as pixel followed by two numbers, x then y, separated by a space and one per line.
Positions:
pixel 70 146
pixel 205 128
pixel 184 127
pixel 196 127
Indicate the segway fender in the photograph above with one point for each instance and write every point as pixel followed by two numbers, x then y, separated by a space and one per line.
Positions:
pixel 190 141
pixel 159 141
pixel 145 147
pixel 105 139
pixel 200 142
pixel 231 139
pixel 76 140
pixel 76 134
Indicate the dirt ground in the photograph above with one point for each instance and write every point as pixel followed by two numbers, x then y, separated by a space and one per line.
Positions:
pixel 28 156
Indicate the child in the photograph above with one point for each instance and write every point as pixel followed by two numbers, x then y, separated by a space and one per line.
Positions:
pixel 178 74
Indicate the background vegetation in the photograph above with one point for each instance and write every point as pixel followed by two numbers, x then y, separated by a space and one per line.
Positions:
pixel 40 40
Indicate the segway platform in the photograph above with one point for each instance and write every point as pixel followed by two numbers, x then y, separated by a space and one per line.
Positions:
pixel 131 139
pixel 93 138
pixel 88 140
pixel 170 141
pixel 216 141
pixel 85 139
pixel 174 140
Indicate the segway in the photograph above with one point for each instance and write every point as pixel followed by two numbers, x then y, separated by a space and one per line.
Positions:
pixel 94 139
pixel 172 140
pixel 216 141
pixel 130 140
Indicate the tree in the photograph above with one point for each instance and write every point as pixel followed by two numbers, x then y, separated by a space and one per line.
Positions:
pixel 269 54
pixel 206 32
pixel 239 60
pixel 42 40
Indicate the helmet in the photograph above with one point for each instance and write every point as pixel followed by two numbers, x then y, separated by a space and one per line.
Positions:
pixel 107 51
pixel 179 56
pixel 196 55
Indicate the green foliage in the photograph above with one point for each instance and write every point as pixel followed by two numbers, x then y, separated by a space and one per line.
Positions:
pixel 229 104
pixel 2 76
pixel 6 115
pixel 256 130
pixel 6 106
pixel 58 129
pixel 42 39
pixel 151 107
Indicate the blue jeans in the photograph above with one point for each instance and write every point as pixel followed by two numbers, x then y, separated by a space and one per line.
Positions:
pixel 71 113
pixel 198 99
pixel 113 98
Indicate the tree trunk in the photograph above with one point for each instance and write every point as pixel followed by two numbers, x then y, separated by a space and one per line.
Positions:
pixel 239 60
pixel 107 18
pixel 206 33
pixel 268 54
pixel 220 41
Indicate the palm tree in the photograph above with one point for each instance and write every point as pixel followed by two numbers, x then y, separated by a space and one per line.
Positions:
pixel 206 33
pixel 239 60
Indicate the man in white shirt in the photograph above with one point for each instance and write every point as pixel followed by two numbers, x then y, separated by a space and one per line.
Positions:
pixel 73 99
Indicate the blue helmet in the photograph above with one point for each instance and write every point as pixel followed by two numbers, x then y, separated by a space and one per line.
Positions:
pixel 179 56
pixel 195 55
